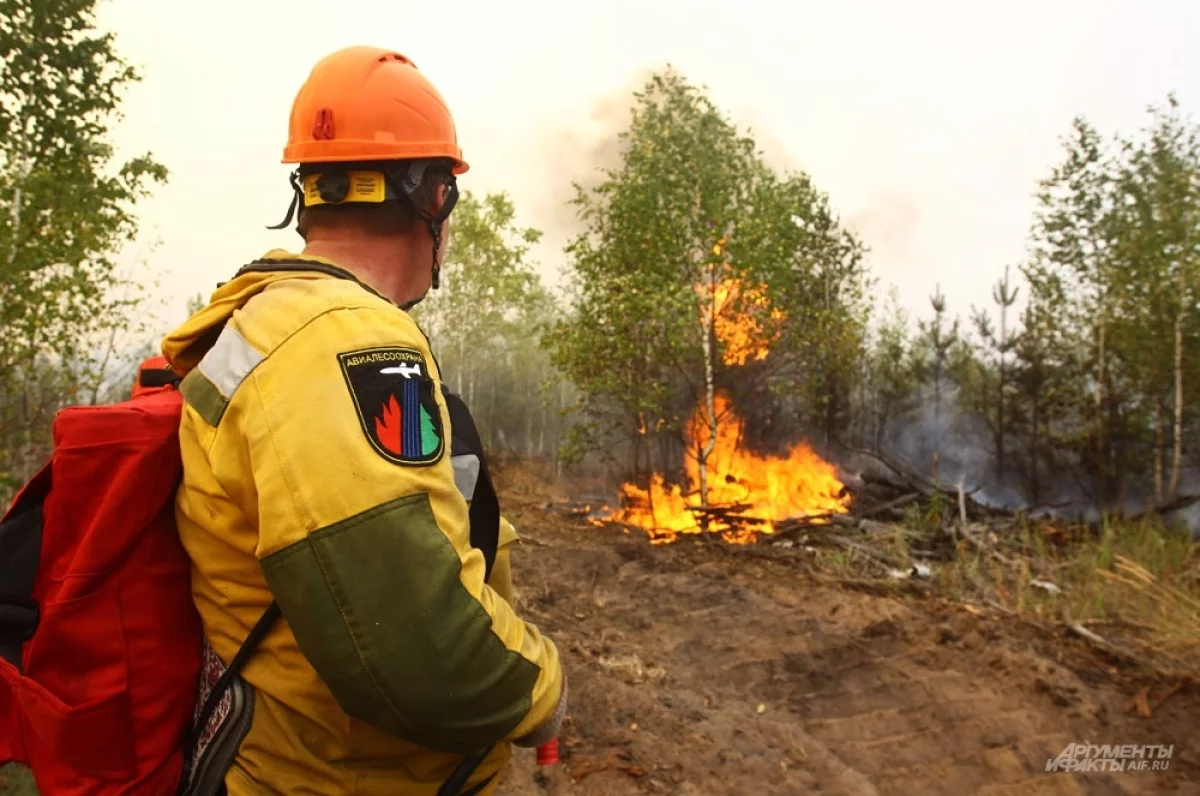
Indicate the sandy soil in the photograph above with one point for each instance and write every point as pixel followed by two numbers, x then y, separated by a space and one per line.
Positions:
pixel 701 669
pixel 709 669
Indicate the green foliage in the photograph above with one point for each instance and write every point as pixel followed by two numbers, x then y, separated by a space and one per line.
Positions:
pixel 645 263
pixel 939 340
pixel 1113 299
pixel 888 375
pixel 16 780
pixel 66 210
pixel 485 321
pixel 689 237
pixel 1085 391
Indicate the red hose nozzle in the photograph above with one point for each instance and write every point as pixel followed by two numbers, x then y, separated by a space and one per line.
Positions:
pixel 547 753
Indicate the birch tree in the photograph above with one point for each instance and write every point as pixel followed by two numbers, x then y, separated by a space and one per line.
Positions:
pixel 66 213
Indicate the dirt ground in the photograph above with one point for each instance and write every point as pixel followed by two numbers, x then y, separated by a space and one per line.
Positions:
pixel 709 669
pixel 705 669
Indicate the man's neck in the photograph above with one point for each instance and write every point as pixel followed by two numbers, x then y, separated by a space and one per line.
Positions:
pixel 379 266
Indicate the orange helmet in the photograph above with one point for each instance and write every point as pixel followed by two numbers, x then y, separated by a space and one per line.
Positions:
pixel 370 104
pixel 366 127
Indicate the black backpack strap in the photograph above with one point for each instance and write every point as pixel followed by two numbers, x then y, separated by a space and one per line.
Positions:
pixel 255 637
pixel 20 553
pixel 158 377
pixel 485 506
pixel 454 784
pixel 484 514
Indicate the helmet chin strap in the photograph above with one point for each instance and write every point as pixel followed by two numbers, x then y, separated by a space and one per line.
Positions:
pixel 410 184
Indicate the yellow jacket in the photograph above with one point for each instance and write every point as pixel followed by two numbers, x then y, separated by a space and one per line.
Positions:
pixel 317 473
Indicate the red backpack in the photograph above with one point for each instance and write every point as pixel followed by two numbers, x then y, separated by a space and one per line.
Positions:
pixel 100 643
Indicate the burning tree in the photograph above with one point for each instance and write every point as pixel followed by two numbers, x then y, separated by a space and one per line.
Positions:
pixel 693 247
pixel 639 341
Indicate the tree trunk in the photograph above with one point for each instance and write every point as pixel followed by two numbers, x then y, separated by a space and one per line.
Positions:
pixel 458 376
pixel 541 443
pixel 1034 440
pixel 491 429
pixel 635 444
pixel 1177 448
pixel 559 428
pixel 527 443
pixel 937 420
pixel 1000 395
pixel 649 472
pixel 1118 464
pixel 832 406
pixel 709 397
pixel 1159 444
pixel 1101 442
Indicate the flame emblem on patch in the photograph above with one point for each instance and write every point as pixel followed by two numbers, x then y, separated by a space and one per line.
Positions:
pixel 387 426
pixel 396 402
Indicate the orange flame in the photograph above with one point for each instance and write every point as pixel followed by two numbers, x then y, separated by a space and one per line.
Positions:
pixel 744 322
pixel 753 492
pixel 758 490
pixel 387 427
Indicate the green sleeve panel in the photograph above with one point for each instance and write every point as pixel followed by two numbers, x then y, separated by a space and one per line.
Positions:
pixel 377 606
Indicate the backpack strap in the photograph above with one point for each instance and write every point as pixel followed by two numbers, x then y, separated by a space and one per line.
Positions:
pixel 21 541
pixel 454 784
pixel 484 510
pixel 484 513
pixel 257 633
pixel 253 639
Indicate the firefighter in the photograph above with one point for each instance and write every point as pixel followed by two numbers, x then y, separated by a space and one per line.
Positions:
pixel 323 472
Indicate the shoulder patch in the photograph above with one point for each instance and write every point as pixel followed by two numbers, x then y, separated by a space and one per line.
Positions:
pixel 394 397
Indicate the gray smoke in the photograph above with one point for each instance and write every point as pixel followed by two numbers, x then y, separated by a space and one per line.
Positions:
pixel 580 150
pixel 966 452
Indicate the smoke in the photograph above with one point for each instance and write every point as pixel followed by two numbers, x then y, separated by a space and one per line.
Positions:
pixel 1190 517
pixel 774 152
pixel 579 148
pixel 887 225
pixel 963 447
pixel 966 453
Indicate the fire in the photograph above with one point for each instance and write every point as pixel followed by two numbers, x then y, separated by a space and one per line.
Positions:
pixel 756 491
pixel 739 323
pixel 747 494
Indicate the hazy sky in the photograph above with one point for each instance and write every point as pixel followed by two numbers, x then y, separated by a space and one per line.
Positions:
pixel 927 123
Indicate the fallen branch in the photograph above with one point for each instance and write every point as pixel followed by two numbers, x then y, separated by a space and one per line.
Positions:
pixel 1118 653
pixel 1158 703
pixel 872 527
pixel 1178 503
pixel 1140 703
pixel 794 526
pixel 1044 505
pixel 874 556
pixel 891 505
pixel 913 480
